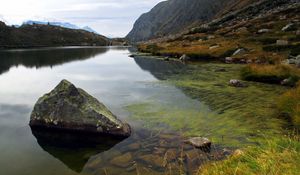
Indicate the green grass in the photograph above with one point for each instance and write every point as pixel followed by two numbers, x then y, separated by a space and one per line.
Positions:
pixel 289 104
pixel 276 156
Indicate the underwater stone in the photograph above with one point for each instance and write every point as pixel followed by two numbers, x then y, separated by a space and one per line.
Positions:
pixel 199 142
pixel 72 109
pixel 122 161
pixel 153 160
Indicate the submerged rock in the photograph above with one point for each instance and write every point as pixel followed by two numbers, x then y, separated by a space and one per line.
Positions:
pixel 123 161
pixel 153 160
pixel 72 109
pixel 199 142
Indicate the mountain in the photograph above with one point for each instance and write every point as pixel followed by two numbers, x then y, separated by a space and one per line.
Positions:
pixel 263 32
pixel 41 35
pixel 87 28
pixel 173 16
pixel 61 24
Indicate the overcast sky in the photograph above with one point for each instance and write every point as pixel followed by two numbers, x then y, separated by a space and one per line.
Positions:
pixel 108 17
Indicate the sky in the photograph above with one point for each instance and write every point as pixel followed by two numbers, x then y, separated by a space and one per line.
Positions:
pixel 112 18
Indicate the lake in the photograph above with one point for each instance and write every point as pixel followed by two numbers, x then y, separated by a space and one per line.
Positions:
pixel 161 101
pixel 108 74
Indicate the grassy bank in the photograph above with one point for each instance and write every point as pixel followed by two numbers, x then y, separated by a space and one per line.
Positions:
pixel 274 74
pixel 239 117
pixel 277 156
pixel 289 105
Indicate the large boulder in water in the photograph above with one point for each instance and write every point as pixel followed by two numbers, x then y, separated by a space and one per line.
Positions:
pixel 72 109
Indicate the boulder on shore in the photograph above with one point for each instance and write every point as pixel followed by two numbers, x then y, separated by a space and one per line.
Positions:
pixel 72 109
pixel 264 31
pixel 228 60
pixel 289 27
pixel 239 52
pixel 184 58
pixel 237 83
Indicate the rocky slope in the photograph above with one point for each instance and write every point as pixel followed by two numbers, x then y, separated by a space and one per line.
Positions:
pixel 266 31
pixel 173 16
pixel 47 35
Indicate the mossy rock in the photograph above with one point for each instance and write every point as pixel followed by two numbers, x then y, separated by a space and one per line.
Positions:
pixel 70 108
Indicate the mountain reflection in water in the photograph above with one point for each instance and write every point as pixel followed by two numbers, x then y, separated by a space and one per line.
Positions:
pixel 46 57
pixel 158 68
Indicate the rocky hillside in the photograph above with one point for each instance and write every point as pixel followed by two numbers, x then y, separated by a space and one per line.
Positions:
pixel 47 35
pixel 260 28
pixel 173 16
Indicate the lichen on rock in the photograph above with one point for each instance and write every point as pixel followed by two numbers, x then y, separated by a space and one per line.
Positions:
pixel 70 108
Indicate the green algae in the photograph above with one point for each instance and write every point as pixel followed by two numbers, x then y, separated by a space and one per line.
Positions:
pixel 234 116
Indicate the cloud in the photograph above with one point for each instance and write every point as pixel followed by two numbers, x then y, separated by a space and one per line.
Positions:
pixel 108 17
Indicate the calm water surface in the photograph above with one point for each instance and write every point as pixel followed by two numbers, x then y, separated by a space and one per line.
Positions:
pixel 106 73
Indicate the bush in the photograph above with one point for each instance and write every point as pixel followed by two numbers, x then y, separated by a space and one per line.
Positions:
pixel 200 56
pixel 209 29
pixel 294 49
pixel 228 53
pixel 152 48
pixel 273 74
pixel 267 40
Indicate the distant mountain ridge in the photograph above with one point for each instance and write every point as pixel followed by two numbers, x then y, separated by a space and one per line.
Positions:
pixel 41 35
pixel 173 16
pixel 60 24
